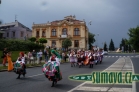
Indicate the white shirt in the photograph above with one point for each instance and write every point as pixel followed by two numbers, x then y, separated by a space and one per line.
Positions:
pixel 22 60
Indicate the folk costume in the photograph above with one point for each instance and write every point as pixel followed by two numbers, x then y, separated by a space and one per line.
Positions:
pixel 101 56
pixel 91 60
pixel 19 66
pixel 51 68
pixel 10 63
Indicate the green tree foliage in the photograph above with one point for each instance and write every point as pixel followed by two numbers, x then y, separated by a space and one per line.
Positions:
pixel 123 44
pixel 32 39
pixel 111 46
pixel 66 43
pixel 105 47
pixel 19 45
pixel 91 40
pixel 134 38
pixel 42 40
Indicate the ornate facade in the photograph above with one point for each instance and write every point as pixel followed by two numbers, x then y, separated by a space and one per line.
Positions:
pixel 56 31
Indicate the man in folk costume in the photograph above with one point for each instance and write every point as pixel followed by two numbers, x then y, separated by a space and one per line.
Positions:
pixel 91 59
pixel 83 57
pixel 87 54
pixel 96 57
pixel 51 68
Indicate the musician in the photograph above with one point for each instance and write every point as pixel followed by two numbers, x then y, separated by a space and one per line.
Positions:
pixel 79 59
pixel 91 59
pixel 95 56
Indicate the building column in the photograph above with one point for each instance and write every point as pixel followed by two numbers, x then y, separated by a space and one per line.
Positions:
pixel 40 32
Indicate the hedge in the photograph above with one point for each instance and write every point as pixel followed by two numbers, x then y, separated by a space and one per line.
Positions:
pixel 19 45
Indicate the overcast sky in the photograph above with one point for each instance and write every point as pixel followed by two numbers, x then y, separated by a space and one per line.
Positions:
pixel 111 19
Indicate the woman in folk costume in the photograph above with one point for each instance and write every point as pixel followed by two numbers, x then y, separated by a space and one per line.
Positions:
pixel 51 68
pixel 100 55
pixel 19 66
pixel 10 63
pixel 72 58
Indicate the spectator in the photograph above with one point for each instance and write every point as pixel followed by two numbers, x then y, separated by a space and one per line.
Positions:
pixel 40 56
pixel 26 57
pixel 30 57
pixel 46 53
pixel 34 54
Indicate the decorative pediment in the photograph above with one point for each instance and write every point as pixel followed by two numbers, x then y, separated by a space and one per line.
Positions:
pixel 64 23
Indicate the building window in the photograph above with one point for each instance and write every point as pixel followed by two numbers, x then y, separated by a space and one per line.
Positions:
pixel 13 34
pixel 64 31
pixel 53 43
pixel 43 34
pixel 37 34
pixel 76 43
pixel 7 34
pixel 76 31
pixel 53 32
pixel 22 34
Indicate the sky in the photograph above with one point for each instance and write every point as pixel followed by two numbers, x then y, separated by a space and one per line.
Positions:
pixel 111 19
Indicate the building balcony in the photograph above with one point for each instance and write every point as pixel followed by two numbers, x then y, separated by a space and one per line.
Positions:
pixel 65 36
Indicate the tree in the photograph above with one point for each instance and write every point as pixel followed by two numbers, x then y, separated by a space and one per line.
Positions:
pixel 105 47
pixel 66 43
pixel 91 40
pixel 111 46
pixel 134 38
pixel 42 40
pixel 32 39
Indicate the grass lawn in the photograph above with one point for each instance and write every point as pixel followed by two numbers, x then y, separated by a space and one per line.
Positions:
pixel 15 55
pixel 27 65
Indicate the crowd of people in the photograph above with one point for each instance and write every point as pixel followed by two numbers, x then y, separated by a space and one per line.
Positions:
pixel 81 57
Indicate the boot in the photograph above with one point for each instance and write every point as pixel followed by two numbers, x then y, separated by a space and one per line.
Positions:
pixel 92 65
pixel 18 77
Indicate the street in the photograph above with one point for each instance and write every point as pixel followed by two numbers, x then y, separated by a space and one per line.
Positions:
pixel 35 81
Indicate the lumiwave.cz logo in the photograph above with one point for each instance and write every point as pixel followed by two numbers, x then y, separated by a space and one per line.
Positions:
pixel 107 77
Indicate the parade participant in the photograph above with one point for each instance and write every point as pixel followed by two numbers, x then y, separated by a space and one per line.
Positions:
pixel 79 58
pixel 83 57
pixel 101 55
pixel 19 66
pixel 95 56
pixel 10 63
pixel 4 56
pixel 51 68
pixel 91 59
pixel 87 54
pixel 72 59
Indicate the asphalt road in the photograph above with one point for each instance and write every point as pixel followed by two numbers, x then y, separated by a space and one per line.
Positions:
pixel 35 81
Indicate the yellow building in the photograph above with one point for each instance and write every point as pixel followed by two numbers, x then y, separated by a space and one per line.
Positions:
pixel 56 31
